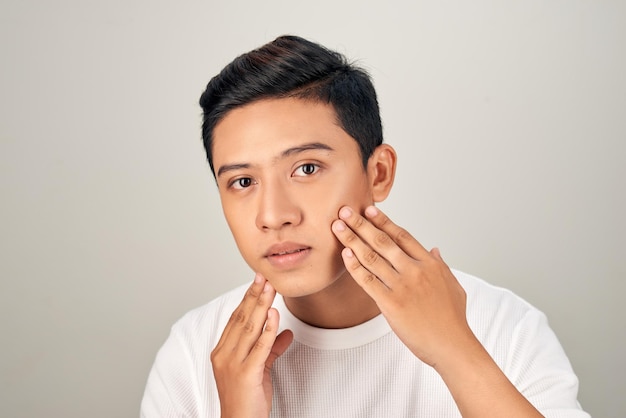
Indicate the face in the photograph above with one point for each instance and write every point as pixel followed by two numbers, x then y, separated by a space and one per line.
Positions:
pixel 284 167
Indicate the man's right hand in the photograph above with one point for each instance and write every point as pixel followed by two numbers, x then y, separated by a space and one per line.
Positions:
pixel 244 355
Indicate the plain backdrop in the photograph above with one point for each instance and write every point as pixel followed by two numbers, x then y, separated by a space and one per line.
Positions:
pixel 509 118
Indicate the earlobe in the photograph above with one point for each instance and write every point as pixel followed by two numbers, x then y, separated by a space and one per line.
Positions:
pixel 381 169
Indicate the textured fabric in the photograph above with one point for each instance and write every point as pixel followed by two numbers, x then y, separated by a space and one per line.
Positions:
pixel 364 371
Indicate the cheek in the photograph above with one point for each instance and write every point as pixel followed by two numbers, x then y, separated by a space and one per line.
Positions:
pixel 240 223
pixel 353 192
pixel 323 207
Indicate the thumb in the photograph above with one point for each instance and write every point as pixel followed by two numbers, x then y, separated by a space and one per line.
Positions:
pixel 282 342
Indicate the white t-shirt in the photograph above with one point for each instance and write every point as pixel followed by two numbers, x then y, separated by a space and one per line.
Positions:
pixel 364 371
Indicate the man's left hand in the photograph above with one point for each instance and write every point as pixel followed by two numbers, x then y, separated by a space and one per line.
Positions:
pixel 413 287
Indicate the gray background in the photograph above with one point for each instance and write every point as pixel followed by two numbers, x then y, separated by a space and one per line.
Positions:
pixel 509 120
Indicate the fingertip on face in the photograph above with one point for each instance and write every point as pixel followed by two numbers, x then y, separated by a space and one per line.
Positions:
pixel 371 211
pixel 338 225
pixel 346 212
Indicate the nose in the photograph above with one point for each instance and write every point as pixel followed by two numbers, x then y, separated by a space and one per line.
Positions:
pixel 276 208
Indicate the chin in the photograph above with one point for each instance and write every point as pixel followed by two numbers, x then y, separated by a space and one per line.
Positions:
pixel 302 284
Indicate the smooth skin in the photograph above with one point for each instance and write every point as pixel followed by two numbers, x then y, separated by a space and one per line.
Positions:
pixel 292 181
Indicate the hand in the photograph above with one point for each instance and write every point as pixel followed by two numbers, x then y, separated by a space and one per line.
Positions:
pixel 245 353
pixel 425 306
pixel 415 290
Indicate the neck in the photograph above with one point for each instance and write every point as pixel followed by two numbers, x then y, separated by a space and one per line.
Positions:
pixel 343 304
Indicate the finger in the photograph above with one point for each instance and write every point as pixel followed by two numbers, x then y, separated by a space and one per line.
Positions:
pixel 399 235
pixel 252 327
pixel 368 257
pixel 268 347
pixel 241 315
pixel 282 342
pixel 372 284
pixel 375 238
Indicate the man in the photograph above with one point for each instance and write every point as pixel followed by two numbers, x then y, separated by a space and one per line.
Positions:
pixel 368 323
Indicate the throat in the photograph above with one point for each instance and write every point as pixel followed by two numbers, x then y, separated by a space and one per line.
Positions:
pixel 342 305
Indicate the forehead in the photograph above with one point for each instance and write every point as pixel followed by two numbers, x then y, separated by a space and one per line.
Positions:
pixel 267 127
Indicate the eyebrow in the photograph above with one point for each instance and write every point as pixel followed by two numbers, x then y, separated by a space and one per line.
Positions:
pixel 305 147
pixel 286 153
pixel 231 167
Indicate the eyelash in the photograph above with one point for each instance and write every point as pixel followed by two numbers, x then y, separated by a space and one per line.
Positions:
pixel 316 168
pixel 236 184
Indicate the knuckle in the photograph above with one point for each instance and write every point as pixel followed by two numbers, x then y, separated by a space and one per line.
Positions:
pixel 218 361
pixel 358 222
pixel 369 278
pixel 238 316
pixel 403 235
pixel 370 257
pixel 252 293
pixel 350 238
pixel 382 239
pixel 248 327
pixel 260 345
pixel 383 221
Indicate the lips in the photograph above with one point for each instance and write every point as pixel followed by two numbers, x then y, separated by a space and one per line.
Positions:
pixel 285 248
pixel 287 254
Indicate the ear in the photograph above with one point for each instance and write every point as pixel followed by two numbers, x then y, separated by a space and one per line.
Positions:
pixel 381 171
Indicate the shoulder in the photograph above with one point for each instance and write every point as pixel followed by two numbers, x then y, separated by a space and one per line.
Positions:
pixel 486 299
pixel 520 340
pixel 498 317
pixel 206 322
pixel 182 361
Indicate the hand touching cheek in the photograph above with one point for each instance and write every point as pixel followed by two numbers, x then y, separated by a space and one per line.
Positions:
pixel 425 306
pixel 415 290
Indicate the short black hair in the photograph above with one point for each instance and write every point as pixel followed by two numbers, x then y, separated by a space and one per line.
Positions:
pixel 291 66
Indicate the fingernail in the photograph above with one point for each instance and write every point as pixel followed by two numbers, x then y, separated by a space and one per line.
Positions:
pixel 339 226
pixel 258 278
pixel 345 212
pixel 267 287
pixel 371 211
pixel 348 252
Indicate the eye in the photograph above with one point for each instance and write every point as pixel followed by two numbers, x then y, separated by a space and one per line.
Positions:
pixel 241 183
pixel 306 170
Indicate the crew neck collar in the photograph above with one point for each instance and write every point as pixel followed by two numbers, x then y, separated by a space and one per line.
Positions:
pixel 331 339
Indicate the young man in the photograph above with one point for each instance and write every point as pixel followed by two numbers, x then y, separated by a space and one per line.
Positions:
pixel 348 315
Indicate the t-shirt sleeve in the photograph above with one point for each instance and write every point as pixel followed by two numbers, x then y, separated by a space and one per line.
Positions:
pixel 540 369
pixel 171 386
pixel 181 381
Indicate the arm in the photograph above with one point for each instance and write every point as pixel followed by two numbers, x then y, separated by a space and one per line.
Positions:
pixel 425 306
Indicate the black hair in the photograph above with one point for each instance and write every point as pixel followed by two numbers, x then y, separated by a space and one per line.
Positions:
pixel 291 66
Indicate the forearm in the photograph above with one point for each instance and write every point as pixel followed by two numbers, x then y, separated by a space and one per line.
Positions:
pixel 479 387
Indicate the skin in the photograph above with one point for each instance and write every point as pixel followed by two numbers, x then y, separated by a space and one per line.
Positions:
pixel 300 206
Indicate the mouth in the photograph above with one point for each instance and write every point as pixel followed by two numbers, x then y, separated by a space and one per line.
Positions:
pixel 287 255
pixel 288 252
